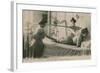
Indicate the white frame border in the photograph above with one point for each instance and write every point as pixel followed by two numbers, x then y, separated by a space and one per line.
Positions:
pixel 16 61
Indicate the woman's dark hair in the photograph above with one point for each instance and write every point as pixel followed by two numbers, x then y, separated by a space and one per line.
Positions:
pixel 43 20
pixel 73 20
pixel 85 31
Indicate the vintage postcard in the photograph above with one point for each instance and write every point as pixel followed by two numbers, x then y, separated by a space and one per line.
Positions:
pixel 56 35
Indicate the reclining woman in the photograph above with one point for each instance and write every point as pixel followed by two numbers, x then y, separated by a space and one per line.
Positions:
pixel 71 32
pixel 75 35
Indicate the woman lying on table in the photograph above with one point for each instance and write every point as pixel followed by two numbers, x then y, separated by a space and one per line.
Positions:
pixel 75 35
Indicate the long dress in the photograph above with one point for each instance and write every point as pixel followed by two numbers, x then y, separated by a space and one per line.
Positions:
pixel 38 46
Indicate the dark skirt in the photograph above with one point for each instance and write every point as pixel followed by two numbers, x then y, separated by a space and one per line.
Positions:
pixel 38 49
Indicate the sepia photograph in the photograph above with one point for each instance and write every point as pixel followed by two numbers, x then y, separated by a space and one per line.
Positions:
pixel 55 35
